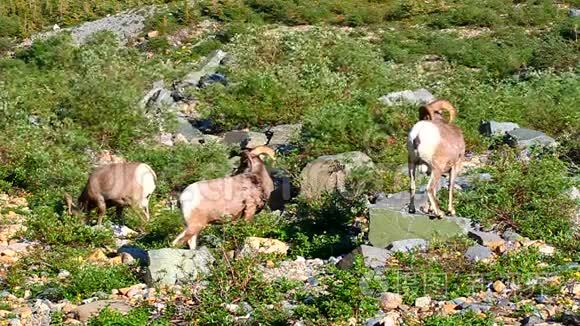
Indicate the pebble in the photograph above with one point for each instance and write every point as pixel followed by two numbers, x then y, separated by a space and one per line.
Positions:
pixel 423 302
pixel 390 301
pixel 498 286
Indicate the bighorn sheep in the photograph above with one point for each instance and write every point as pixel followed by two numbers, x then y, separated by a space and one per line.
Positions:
pixel 118 184
pixel 439 144
pixel 246 193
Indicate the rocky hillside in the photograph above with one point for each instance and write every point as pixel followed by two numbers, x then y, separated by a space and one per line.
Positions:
pixel 333 87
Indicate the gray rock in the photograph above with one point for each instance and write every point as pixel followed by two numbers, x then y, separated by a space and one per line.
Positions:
pixel 283 189
pixel 283 134
pixel 185 128
pixel 388 225
pixel 488 239
pixel 478 252
pixel 399 201
pixel 417 97
pixel 408 245
pixel 494 128
pixel 512 236
pixel 478 307
pixel 210 79
pixel 532 320
pixel 136 253
pixel 209 66
pixel 330 172
pixel 40 313
pixel 570 318
pixel 526 138
pixel 245 139
pixel 574 12
pixel 373 257
pixel 86 311
pixel 170 266
pixel 125 25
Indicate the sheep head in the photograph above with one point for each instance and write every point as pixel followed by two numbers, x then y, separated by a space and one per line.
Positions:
pixel 72 208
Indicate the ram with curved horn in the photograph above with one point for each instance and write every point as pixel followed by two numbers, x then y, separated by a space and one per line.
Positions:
pixel 243 194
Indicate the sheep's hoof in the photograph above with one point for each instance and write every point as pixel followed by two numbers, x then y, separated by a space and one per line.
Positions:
pixel 451 213
pixel 412 209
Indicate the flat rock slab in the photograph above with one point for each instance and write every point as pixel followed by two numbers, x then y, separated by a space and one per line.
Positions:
pixel 284 134
pixel 244 139
pixel 171 266
pixel 373 257
pixel 86 311
pixel 408 245
pixel 495 128
pixel 525 138
pixel 477 253
pixel 387 226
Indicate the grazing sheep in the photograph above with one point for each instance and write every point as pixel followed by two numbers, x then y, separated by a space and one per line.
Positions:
pixel 438 144
pixel 244 194
pixel 118 184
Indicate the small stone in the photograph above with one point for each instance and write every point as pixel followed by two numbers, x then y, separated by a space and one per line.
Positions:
pixel 546 250
pixel 257 245
pixel 498 286
pixel 390 301
pixel 63 274
pixel 127 259
pixel 512 236
pixel 488 239
pixel 373 257
pixel 532 320
pixel 423 302
pixel 97 256
pixel 449 308
pixel 408 245
pixel 574 12
pixel 117 260
pixel 477 253
pixel 153 34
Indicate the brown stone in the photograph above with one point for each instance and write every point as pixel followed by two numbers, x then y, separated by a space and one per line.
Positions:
pixel 97 256
pixel 449 308
pixel 498 286
pixel 390 301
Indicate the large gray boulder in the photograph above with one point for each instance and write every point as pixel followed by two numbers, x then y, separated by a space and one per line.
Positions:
pixel 526 138
pixel 125 25
pixel 419 96
pixel 373 257
pixel 170 266
pixel 494 128
pixel 283 189
pixel 330 172
pixel 283 135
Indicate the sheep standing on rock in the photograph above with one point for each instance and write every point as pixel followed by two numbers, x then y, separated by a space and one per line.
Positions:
pixel 118 184
pixel 244 194
pixel 438 144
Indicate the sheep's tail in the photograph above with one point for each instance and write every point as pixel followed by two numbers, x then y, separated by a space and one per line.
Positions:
pixel 263 150
pixel 435 107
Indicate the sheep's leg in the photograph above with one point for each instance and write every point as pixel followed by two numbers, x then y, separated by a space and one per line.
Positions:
pixel 145 207
pixel 412 170
pixel 101 210
pixel 452 175
pixel 119 212
pixel 189 236
pixel 432 191
pixel 249 212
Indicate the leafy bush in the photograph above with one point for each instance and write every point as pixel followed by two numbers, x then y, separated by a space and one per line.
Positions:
pixel 278 79
pixel 528 196
pixel 469 318
pixel 89 279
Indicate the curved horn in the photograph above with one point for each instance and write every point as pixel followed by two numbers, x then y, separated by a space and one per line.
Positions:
pixel 264 150
pixel 439 105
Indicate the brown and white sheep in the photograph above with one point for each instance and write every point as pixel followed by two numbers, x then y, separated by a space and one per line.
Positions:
pixel 118 184
pixel 244 194
pixel 439 144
